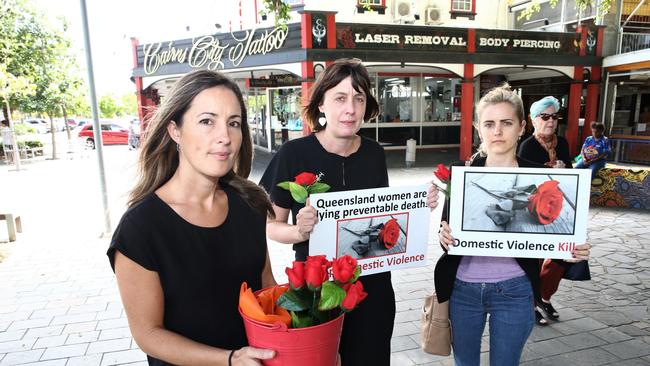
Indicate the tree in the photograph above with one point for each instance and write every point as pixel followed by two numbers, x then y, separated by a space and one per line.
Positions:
pixel 129 104
pixel 10 85
pixel 281 10
pixel 109 107
pixel 534 6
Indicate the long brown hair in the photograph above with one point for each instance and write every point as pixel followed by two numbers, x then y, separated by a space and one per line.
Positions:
pixel 159 155
pixel 331 77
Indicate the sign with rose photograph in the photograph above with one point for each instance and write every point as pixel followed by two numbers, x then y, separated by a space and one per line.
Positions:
pixel 518 212
pixel 383 229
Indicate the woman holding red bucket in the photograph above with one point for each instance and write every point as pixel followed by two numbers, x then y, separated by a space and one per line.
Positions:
pixel 340 102
pixel 179 253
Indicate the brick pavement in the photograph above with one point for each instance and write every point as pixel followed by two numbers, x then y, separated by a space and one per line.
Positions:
pixel 59 304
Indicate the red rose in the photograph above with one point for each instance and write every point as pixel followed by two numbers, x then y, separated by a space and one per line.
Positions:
pixel 442 173
pixel 354 295
pixel 296 275
pixel 306 179
pixel 546 203
pixel 343 268
pixel 389 233
pixel 316 271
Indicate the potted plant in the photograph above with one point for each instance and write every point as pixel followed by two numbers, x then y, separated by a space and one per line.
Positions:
pixel 317 296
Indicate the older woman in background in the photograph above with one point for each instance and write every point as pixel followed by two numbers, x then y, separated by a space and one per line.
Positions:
pixel 545 147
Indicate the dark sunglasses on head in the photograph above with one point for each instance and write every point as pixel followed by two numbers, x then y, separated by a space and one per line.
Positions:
pixel 546 116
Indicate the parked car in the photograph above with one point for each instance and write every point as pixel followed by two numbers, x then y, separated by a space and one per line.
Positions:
pixel 40 125
pixel 112 134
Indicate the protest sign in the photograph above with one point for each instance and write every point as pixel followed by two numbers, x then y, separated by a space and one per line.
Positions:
pixel 383 228
pixel 518 212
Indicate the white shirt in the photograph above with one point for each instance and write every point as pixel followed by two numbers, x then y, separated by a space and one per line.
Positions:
pixel 6 136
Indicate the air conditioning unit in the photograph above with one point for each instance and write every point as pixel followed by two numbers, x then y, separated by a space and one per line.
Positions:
pixel 405 12
pixel 432 16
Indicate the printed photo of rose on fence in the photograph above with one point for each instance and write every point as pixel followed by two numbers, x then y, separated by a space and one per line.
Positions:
pixel 370 237
pixel 520 203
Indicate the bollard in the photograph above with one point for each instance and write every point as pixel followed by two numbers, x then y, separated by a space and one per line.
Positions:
pixel 410 152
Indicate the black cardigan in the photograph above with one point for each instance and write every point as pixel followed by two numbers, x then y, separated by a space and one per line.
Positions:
pixel 447 266
pixel 531 150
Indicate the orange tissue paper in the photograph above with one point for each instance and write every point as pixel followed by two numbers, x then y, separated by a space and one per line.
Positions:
pixel 262 307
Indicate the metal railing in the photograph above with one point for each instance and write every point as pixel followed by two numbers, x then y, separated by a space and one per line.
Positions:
pixel 634 42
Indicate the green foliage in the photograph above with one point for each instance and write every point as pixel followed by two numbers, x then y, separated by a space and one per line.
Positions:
pixel 109 106
pixel 30 144
pixel 331 296
pixel 23 129
pixel 298 192
pixel 280 9
pixel 40 52
pixel 129 103
pixel 534 7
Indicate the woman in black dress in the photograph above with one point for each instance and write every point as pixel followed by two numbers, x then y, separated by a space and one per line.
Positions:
pixel 179 253
pixel 545 147
pixel 341 101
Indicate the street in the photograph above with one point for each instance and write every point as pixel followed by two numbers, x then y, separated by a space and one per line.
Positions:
pixel 59 304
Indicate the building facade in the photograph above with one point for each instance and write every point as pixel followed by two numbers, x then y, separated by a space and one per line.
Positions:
pixel 430 62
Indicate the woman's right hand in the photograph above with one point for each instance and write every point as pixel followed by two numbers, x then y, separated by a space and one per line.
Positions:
pixel 305 220
pixel 444 236
pixel 250 356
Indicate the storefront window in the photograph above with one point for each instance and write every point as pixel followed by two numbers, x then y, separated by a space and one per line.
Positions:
pixel 286 121
pixel 396 96
pixel 441 99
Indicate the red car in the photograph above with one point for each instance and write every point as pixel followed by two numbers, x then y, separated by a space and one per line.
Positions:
pixel 112 134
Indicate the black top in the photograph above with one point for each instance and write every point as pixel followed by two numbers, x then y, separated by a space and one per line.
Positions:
pixel 363 169
pixel 201 269
pixel 530 149
pixel 447 266
pixel 367 331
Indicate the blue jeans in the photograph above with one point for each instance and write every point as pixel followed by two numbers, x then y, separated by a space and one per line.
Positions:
pixel 595 166
pixel 510 305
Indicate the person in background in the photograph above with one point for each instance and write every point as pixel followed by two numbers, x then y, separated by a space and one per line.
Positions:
pixel 595 149
pixel 134 134
pixel 5 131
pixel 341 100
pixel 545 147
pixel 179 252
pixel 477 286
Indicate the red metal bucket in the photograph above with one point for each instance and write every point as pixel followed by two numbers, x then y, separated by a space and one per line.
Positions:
pixel 313 346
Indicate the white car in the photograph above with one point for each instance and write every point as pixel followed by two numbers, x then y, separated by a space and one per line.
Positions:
pixel 40 125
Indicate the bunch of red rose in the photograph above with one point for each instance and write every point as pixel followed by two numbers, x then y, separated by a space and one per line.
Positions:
pixel 303 185
pixel 319 290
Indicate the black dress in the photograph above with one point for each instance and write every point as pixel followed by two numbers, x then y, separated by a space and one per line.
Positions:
pixel 201 269
pixel 368 329
pixel 531 150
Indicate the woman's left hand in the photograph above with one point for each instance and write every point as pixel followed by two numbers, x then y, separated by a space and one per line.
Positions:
pixel 580 253
pixel 432 197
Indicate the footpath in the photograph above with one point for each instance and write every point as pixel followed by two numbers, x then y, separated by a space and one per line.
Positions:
pixel 59 304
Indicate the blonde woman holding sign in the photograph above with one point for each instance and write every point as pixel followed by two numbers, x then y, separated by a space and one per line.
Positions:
pixel 477 286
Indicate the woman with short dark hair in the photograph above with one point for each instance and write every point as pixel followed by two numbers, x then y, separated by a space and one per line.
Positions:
pixel 340 102
pixel 595 149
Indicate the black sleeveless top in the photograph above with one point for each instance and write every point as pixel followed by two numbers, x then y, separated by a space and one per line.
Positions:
pixel 201 269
